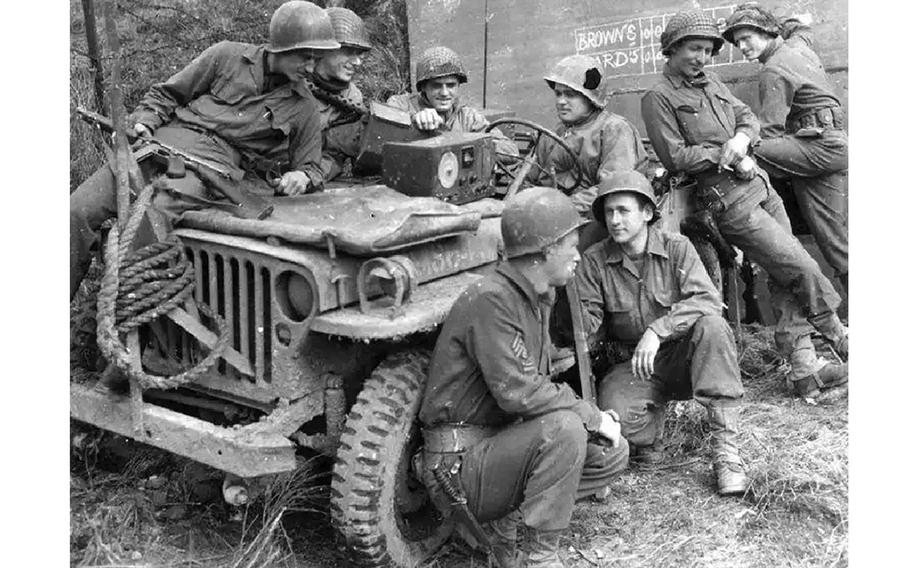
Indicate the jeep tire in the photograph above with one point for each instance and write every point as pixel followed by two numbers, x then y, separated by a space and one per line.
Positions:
pixel 383 515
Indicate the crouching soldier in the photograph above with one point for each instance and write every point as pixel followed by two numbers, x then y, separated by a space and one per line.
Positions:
pixel 437 107
pixel 602 142
pixel 802 125
pixel 338 98
pixel 698 127
pixel 517 442
pixel 650 292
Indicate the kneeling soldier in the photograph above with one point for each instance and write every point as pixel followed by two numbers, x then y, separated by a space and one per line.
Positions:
pixel 650 291
pixel 516 442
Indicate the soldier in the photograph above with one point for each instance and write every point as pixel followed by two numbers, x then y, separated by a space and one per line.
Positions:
pixel 437 107
pixel 603 142
pixel 340 102
pixel 235 106
pixel 651 293
pixel 698 127
pixel 518 441
pixel 802 125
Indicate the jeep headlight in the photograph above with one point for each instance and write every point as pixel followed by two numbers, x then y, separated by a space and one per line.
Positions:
pixel 295 294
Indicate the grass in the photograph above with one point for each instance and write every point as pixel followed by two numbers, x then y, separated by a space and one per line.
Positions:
pixel 135 505
pixel 793 515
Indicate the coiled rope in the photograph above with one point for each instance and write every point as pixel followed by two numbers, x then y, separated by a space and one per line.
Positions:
pixel 140 286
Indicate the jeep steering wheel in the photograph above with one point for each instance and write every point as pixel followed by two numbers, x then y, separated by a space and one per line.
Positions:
pixel 530 159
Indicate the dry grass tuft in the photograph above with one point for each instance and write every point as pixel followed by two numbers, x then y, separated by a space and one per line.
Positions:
pixel 301 491
pixel 130 502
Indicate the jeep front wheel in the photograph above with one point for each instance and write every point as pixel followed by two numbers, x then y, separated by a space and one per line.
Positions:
pixel 378 505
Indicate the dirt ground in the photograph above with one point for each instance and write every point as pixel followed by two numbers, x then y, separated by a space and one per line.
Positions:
pixel 132 505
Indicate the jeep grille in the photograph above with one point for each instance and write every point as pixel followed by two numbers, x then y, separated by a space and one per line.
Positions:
pixel 239 290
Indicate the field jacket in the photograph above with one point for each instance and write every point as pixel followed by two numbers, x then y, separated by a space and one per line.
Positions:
pixel 491 364
pixel 668 296
pixel 688 122
pixel 225 90
pixel 791 84
pixel 603 143
pixel 462 118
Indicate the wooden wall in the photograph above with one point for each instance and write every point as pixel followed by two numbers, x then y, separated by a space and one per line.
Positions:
pixel 523 39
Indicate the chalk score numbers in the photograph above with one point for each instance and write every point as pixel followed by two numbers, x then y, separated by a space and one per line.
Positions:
pixel 632 47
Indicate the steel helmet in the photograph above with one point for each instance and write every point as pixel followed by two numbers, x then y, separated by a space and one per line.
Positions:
pixel 535 219
pixel 349 29
pixel 300 25
pixel 623 182
pixel 439 62
pixel 582 73
pixel 751 15
pixel 690 24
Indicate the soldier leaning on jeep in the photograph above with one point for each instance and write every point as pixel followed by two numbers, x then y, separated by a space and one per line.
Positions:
pixel 802 124
pixel 234 104
pixel 714 148
pixel 603 142
pixel 437 107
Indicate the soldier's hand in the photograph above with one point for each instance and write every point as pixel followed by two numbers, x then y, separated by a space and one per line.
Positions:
pixel 142 130
pixel 745 169
pixel 427 119
pixel 733 150
pixel 293 183
pixel 645 352
pixel 609 427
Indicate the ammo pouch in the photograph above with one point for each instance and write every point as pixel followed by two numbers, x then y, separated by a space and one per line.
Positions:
pixel 831 118
pixel 712 186
pixel 443 446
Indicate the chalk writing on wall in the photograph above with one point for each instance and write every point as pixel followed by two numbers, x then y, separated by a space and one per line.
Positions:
pixel 632 47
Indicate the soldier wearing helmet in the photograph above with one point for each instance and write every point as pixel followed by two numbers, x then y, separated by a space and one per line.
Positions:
pixel 237 106
pixel 491 413
pixel 699 128
pixel 436 107
pixel 340 102
pixel 603 142
pixel 802 124
pixel 648 291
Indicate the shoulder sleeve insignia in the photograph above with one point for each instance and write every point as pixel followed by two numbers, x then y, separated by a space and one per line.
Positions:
pixel 521 352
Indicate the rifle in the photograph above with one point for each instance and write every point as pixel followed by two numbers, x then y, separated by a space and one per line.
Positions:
pixel 248 205
pixel 582 355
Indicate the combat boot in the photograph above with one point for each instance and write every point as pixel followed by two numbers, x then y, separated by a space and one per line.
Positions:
pixel 542 548
pixel 834 332
pixel 504 540
pixel 723 422
pixel 831 375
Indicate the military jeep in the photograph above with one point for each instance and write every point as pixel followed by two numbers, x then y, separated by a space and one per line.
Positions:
pixel 331 306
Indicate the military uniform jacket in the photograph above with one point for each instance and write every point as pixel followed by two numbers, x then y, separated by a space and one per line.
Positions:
pixel 224 91
pixel 668 296
pixel 604 143
pixel 791 84
pixel 341 132
pixel 462 118
pixel 689 121
pixel 491 363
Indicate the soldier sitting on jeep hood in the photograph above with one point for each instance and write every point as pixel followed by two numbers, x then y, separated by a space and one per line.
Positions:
pixel 340 102
pixel 233 102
